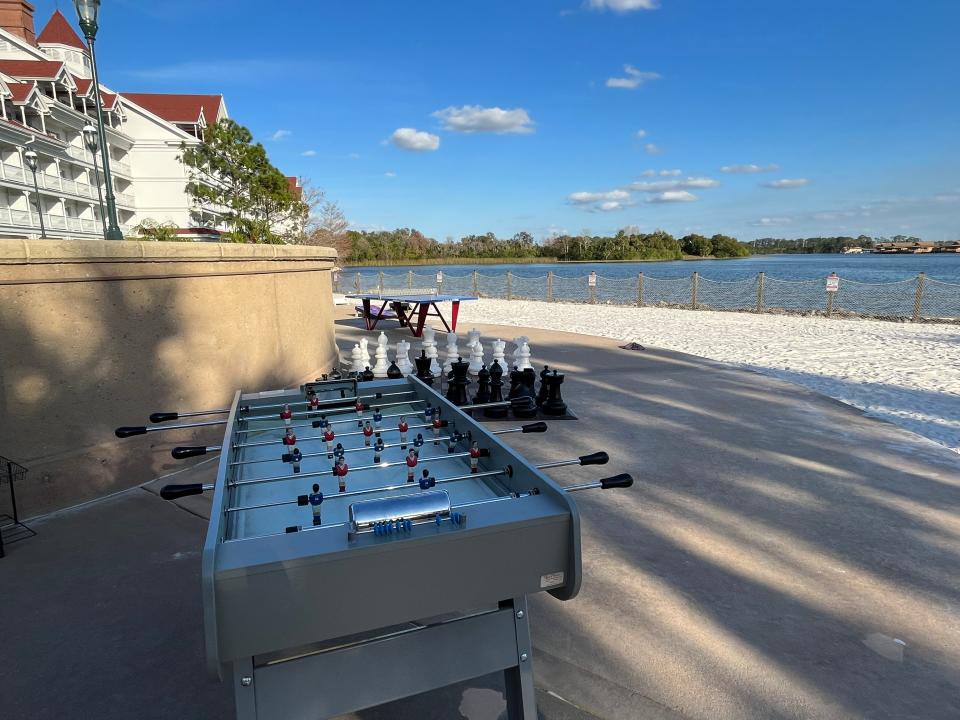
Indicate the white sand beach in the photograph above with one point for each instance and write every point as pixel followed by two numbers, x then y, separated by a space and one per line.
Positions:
pixel 904 373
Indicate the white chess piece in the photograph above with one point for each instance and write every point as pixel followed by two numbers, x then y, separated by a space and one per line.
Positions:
pixel 451 353
pixel 522 357
pixel 381 366
pixel 476 356
pixel 356 359
pixel 498 348
pixel 518 342
pixel 403 357
pixel 365 349
pixel 430 345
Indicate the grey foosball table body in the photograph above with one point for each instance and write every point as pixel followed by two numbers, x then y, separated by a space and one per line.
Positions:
pixel 326 620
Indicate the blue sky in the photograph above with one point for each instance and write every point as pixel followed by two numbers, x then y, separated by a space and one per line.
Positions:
pixel 468 117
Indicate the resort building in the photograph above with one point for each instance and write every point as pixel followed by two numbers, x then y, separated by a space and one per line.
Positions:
pixel 46 98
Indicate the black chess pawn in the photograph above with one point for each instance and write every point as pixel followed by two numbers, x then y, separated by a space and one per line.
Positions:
pixel 393 372
pixel 366 375
pixel 496 392
pixel 423 368
pixel 335 374
pixel 542 393
pixel 483 386
pixel 457 388
pixel 554 404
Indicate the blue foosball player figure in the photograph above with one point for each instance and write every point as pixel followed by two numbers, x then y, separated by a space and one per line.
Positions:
pixel 377 450
pixel 295 458
pixel 427 482
pixel 418 441
pixel 377 418
pixel 316 500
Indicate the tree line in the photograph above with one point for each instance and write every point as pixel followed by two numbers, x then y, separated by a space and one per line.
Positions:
pixel 769 246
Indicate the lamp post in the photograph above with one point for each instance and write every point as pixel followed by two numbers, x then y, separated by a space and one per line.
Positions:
pixel 31 158
pixel 90 138
pixel 87 12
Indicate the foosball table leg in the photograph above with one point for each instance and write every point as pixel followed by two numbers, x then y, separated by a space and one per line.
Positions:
pixel 518 680
pixel 244 689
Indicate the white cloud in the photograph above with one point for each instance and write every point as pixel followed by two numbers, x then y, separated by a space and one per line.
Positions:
pixel 671 173
pixel 691 183
pixel 652 149
pixel 584 198
pixel 948 198
pixel 672 197
pixel 787 183
pixel 748 169
pixel 415 140
pixel 623 5
pixel 354 156
pixel 390 174
pixel 309 153
pixel 474 119
pixel 281 135
pixel 649 173
pixel 640 134
pixel 610 206
pixel 634 78
pixel 772 221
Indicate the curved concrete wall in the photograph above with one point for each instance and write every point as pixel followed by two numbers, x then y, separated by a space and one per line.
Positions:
pixel 98 334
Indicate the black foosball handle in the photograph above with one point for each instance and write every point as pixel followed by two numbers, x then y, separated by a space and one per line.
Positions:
pixel 181 453
pixel 537 427
pixel 623 480
pixel 159 417
pixel 125 432
pixel 172 492
pixel 597 458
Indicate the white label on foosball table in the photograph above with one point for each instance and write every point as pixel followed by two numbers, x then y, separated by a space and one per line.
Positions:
pixel 551 580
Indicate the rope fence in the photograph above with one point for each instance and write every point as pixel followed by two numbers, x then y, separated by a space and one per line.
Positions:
pixel 917 299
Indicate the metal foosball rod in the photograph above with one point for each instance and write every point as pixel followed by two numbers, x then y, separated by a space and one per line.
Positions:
pixel 179 453
pixel 124 432
pixel 334 401
pixel 320 437
pixel 355 418
pixel 160 417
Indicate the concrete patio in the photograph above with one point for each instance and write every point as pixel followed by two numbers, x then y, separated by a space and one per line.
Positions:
pixel 781 556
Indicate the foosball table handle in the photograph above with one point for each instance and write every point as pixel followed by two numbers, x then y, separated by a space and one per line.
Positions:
pixel 160 417
pixel 623 480
pixel 180 453
pixel 125 432
pixel 597 458
pixel 537 427
pixel 172 492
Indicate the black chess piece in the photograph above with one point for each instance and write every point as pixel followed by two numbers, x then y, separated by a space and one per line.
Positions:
pixel 542 393
pixel 457 388
pixel 393 372
pixel 335 374
pixel 522 393
pixel 496 392
pixel 529 378
pixel 554 404
pixel 516 381
pixel 483 386
pixel 366 375
pixel 423 368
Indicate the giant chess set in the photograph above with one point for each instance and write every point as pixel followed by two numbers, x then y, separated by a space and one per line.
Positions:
pixel 370 540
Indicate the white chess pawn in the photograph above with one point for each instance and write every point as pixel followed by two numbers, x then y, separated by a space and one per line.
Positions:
pixel 403 357
pixel 518 341
pixel 430 345
pixel 381 366
pixel 476 357
pixel 522 357
pixel 356 359
pixel 365 349
pixel 498 348
pixel 451 353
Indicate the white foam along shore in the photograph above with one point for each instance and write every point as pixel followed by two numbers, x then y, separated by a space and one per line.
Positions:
pixel 907 374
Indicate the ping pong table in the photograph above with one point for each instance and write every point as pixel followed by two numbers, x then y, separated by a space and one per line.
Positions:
pixel 411 310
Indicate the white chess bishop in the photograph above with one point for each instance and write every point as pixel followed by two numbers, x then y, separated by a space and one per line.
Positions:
pixel 498 347
pixel 382 364
pixel 522 357
pixel 403 357
pixel 451 353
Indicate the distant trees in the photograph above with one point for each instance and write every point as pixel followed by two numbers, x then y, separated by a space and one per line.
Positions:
pixel 766 246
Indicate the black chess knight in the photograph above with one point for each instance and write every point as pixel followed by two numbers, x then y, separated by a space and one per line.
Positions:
pixel 496 392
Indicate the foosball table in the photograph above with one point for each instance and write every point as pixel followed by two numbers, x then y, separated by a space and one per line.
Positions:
pixel 369 541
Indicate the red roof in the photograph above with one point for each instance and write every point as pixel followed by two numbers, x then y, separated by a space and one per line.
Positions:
pixel 21 91
pixel 33 69
pixel 83 85
pixel 179 108
pixel 59 32
pixel 108 99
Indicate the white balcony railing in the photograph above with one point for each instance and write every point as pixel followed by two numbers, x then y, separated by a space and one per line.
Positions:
pixel 124 199
pixel 23 219
pixel 15 173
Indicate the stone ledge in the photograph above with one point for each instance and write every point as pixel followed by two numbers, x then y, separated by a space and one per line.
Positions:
pixel 27 252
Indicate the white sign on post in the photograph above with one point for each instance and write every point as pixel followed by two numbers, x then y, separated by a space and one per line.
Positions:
pixel 833 282
pixel 592 280
pixel 439 277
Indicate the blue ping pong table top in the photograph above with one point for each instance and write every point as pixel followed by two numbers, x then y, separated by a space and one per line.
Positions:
pixel 411 298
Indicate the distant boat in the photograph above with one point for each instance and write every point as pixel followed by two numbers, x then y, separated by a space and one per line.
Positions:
pixel 853 251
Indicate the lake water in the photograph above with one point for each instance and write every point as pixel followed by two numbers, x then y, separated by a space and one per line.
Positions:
pixel 867 268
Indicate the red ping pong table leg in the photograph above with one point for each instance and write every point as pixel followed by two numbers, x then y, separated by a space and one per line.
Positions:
pixel 454 311
pixel 421 319
pixel 366 312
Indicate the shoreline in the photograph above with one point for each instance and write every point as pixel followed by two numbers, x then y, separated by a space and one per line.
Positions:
pixel 903 373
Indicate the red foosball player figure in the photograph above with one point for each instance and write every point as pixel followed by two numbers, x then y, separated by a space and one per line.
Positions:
pixel 377 450
pixel 328 437
pixel 403 427
pixel 474 456
pixel 436 428
pixel 289 439
pixel 411 463
pixel 359 408
pixel 286 415
pixel 340 471
pixel 316 500
pixel 314 402
pixel 367 433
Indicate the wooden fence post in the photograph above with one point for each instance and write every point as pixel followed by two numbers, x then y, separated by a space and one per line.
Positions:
pixel 550 286
pixel 830 303
pixel 509 285
pixel 761 279
pixel 356 283
pixel 380 282
pixel 476 283
pixel 409 279
pixel 918 298
pixel 694 286
pixel 639 289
